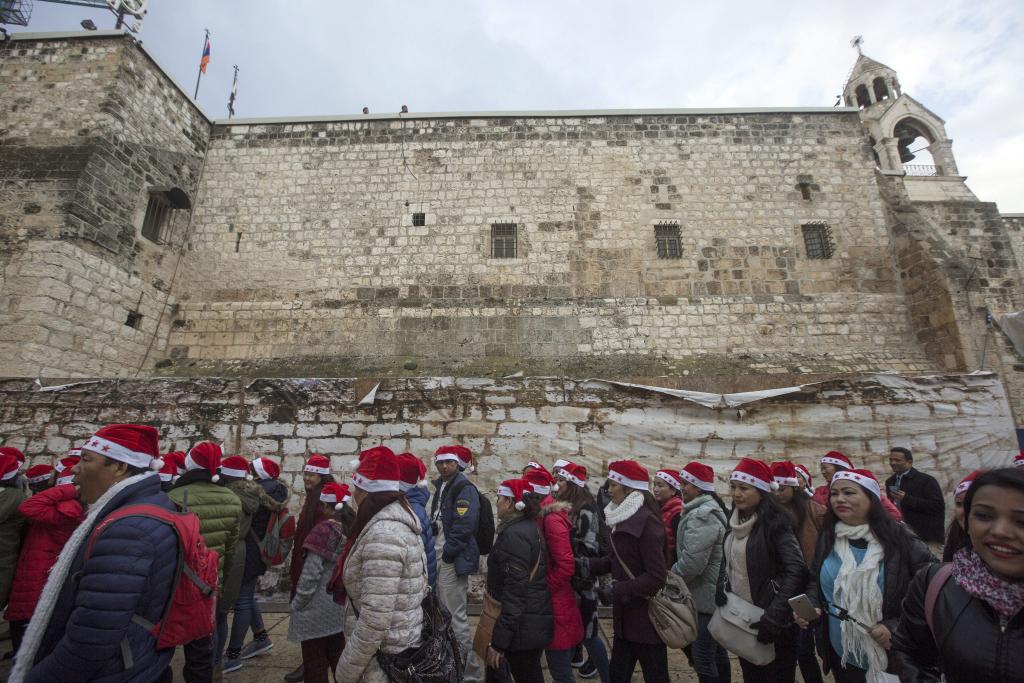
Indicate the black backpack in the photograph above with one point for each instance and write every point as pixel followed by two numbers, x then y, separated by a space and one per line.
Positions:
pixel 485 521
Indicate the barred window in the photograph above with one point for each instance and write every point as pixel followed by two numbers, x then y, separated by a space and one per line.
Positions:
pixel 667 238
pixel 419 219
pixel 818 242
pixel 158 211
pixel 503 240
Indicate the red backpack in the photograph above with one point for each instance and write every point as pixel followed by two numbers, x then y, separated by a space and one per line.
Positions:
pixel 277 539
pixel 190 613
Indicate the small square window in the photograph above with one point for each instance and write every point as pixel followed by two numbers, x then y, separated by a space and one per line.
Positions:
pixel 133 320
pixel 419 219
pixel 818 242
pixel 668 241
pixel 503 240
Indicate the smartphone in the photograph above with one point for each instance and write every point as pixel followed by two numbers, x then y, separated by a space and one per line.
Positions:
pixel 803 608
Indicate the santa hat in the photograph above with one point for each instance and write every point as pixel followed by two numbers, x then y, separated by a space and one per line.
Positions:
pixel 784 473
pixel 205 455
pixel 670 477
pixel 863 478
pixel 698 474
pixel 534 465
pixel 838 459
pixel 966 483
pixel 235 466
pixel 460 454
pixel 265 468
pixel 169 472
pixel 1019 460
pixel 540 480
pixel 136 445
pixel 559 464
pixel 177 458
pixel 318 464
pixel 66 470
pixel 412 471
pixel 74 453
pixel 754 473
pixel 14 453
pixel 37 474
pixel 335 494
pixel 803 473
pixel 570 471
pixel 8 467
pixel 66 463
pixel 378 471
pixel 515 489
pixel 629 473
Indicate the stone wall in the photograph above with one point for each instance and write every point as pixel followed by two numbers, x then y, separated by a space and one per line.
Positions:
pixel 90 124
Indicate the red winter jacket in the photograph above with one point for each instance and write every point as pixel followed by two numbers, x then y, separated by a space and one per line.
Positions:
pixel 821 496
pixel 672 508
pixel 561 565
pixel 52 516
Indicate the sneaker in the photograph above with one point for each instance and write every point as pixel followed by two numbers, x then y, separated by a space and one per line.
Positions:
pixel 588 670
pixel 257 647
pixel 577 657
pixel 231 664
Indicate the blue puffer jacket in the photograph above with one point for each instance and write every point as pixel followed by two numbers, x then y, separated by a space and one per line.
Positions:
pixel 458 519
pixel 131 571
pixel 254 566
pixel 417 497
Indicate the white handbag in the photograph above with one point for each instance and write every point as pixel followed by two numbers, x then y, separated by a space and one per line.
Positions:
pixel 731 627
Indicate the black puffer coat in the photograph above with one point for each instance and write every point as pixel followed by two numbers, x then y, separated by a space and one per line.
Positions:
pixel 775 567
pixel 899 568
pixel 526 621
pixel 254 566
pixel 974 646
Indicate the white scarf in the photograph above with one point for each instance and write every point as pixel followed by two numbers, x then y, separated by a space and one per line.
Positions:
pixel 616 514
pixel 58 575
pixel 856 590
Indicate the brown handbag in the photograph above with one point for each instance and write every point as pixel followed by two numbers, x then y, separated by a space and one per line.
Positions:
pixel 489 616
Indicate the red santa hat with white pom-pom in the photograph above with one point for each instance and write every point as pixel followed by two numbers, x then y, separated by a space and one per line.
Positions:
pixel 541 481
pixel 136 445
pixel 838 459
pixel 412 470
pixel 235 466
pixel 1019 460
pixel 570 471
pixel 37 474
pixel 378 471
pixel 863 478
pixel 335 494
pixel 698 474
pixel 205 455
pixel 459 454
pixel 265 468
pixel 964 485
pixel 629 473
pixel 317 464
pixel 754 473
pixel 515 489
pixel 8 467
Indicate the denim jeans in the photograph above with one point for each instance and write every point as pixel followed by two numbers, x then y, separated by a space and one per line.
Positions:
pixel 452 591
pixel 708 656
pixel 598 654
pixel 220 637
pixel 247 614
pixel 560 665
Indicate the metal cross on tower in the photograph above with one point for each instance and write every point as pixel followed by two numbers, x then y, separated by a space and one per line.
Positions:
pixel 856 43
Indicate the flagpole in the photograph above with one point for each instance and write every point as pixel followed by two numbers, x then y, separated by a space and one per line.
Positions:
pixel 231 99
pixel 199 76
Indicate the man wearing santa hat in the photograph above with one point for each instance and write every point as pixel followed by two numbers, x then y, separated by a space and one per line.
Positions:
pixel 454 513
pixel 11 523
pixel 83 629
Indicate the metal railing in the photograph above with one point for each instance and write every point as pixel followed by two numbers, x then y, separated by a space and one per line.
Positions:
pixel 921 170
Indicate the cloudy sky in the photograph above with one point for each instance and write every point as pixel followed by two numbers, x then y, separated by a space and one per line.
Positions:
pixel 962 59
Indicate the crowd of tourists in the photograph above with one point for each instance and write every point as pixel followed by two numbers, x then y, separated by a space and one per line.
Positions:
pixel 115 557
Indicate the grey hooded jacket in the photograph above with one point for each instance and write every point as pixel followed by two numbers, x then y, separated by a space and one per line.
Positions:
pixel 699 543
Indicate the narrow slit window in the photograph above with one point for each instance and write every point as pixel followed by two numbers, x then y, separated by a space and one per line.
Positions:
pixel 818 243
pixel 158 211
pixel 668 241
pixel 503 240
pixel 419 219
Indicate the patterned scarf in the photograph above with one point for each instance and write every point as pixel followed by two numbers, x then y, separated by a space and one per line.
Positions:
pixel 975 577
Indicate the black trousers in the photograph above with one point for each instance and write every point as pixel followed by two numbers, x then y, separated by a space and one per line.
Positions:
pixel 524 666
pixel 782 669
pixel 625 654
pixel 198 661
pixel 850 674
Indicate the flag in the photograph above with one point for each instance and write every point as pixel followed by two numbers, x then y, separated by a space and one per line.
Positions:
pixel 206 56
pixel 234 93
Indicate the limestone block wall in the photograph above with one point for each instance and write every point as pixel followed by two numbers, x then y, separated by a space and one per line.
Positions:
pixel 89 125
pixel 309 228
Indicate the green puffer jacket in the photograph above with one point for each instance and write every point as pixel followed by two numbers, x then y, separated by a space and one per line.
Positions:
pixel 11 525
pixel 699 542
pixel 219 511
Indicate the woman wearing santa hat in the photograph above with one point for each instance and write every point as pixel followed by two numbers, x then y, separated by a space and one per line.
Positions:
pixel 317 622
pixel 667 491
pixel 701 554
pixel 833 462
pixel 382 573
pixel 956 534
pixel 637 565
pixel 315 473
pixel 808 518
pixel 517 579
pixel 764 565
pixel 571 489
pixel 863 566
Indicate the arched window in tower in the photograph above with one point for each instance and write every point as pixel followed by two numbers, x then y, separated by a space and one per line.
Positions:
pixel 863 98
pixel 881 91
pixel 914 140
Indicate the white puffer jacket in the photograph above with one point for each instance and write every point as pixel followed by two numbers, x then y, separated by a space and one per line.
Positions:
pixel 386 580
